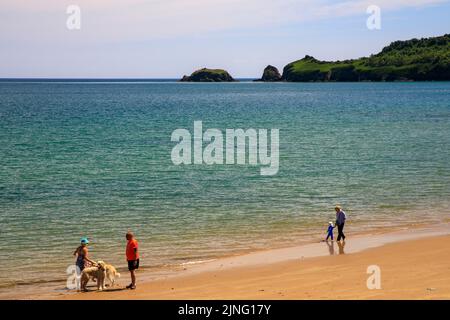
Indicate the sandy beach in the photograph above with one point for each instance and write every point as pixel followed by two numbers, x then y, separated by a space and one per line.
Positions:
pixel 414 264
pixel 207 149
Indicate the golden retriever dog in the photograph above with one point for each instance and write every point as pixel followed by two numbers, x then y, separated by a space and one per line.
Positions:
pixel 98 273
pixel 111 273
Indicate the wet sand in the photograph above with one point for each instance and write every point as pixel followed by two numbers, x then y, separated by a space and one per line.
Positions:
pixel 414 264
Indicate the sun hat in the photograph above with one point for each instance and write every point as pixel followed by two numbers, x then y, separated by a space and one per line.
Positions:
pixel 84 240
pixel 331 223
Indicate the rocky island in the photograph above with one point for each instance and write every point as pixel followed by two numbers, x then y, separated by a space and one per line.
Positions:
pixel 208 75
pixel 270 74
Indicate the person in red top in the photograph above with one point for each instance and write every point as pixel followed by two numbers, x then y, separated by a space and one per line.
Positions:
pixel 132 258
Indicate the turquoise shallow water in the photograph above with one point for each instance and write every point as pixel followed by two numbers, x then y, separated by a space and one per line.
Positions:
pixel 93 159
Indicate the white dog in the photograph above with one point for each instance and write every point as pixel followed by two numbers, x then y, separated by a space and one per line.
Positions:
pixel 98 273
pixel 111 272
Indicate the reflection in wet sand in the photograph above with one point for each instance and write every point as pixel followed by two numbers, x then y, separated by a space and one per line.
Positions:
pixel 330 245
pixel 341 246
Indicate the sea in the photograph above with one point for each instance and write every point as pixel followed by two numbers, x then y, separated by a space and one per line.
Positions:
pixel 92 158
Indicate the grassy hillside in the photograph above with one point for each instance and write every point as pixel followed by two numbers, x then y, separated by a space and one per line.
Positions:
pixel 416 59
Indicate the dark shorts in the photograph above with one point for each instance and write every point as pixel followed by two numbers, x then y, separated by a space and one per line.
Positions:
pixel 133 264
pixel 80 265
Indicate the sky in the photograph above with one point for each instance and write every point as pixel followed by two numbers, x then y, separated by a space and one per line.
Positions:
pixel 170 38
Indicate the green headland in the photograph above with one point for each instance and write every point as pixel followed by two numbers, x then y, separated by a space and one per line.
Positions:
pixel 414 60
pixel 426 59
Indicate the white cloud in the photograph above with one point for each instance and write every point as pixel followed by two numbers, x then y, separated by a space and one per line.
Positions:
pixel 162 18
pixel 139 19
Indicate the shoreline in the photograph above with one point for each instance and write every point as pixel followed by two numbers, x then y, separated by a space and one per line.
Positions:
pixel 414 264
pixel 354 246
pixel 51 285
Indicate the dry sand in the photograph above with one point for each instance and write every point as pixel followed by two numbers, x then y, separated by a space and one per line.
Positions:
pixel 414 264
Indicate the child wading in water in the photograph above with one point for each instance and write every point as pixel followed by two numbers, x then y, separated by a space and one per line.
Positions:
pixel 330 231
